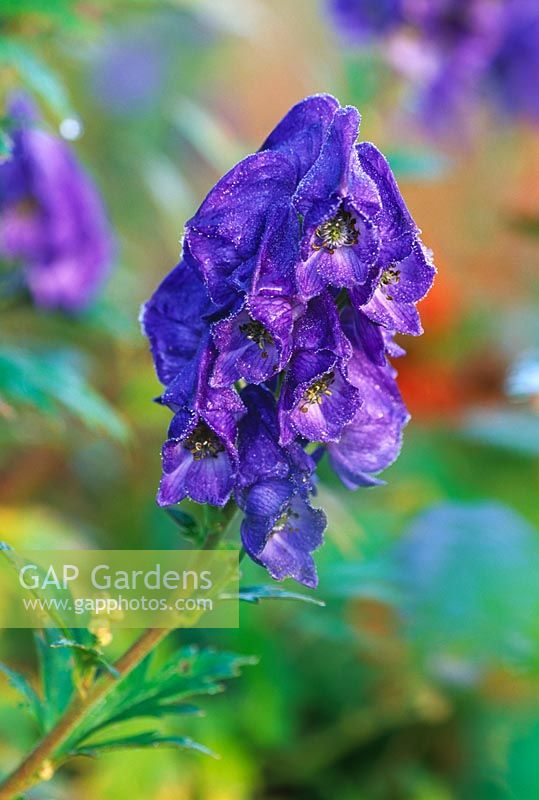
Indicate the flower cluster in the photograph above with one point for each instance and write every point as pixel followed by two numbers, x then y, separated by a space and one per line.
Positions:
pixel 52 221
pixel 454 50
pixel 272 335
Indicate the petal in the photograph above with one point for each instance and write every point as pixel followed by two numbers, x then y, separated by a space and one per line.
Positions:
pixel 394 220
pixel 323 421
pixel 287 552
pixel 173 320
pixel 225 233
pixel 211 479
pixel 328 177
pixel 300 134
pixel 319 328
pixel 177 460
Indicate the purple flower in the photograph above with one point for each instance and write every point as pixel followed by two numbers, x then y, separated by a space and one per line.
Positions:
pixel 52 221
pixel 272 335
pixel 280 529
pixel 454 52
pixel 362 20
pixel 337 201
pixel 404 273
pixel 200 456
pixel 373 439
pixel 256 342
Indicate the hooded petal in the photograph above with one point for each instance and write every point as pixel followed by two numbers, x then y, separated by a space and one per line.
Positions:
pixel 300 134
pixel 173 319
pixel 317 400
pixel 372 441
pixel 225 234
pixel 284 544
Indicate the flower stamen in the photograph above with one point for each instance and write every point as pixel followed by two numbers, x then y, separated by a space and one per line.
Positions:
pixel 283 524
pixel 389 277
pixel 203 442
pixel 340 231
pixel 317 391
pixel 257 333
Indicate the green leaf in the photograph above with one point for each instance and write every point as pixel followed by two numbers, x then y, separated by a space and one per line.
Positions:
pixel 142 740
pixel 189 672
pixel 51 381
pixel 254 594
pixel 36 75
pixel 33 703
pixel 56 668
pixel 89 656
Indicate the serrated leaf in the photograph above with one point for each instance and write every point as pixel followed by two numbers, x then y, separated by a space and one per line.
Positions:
pixel 189 672
pixel 142 740
pixel 33 702
pixel 50 381
pixel 90 656
pixel 254 594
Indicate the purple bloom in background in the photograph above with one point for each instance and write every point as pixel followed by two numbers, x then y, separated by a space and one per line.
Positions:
pixel 272 336
pixel 453 52
pixel 52 220
pixel 362 20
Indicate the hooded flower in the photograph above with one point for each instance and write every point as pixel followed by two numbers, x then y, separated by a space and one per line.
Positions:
pixel 52 220
pixel 373 439
pixel 317 399
pixel 200 456
pixel 404 272
pixel 280 529
pixel 272 336
pixel 337 201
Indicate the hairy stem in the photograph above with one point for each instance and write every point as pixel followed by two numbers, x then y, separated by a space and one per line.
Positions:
pixel 27 773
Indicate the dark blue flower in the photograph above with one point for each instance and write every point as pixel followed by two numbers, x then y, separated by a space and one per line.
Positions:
pixel 362 20
pixel 52 219
pixel 244 212
pixel 373 439
pixel 337 201
pixel 200 456
pixel 281 530
pixel 175 319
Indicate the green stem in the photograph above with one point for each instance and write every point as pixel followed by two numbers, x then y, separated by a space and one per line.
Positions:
pixel 27 773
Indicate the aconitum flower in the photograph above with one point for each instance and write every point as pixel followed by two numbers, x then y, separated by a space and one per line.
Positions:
pixel 273 335
pixel 52 220
pixel 453 53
